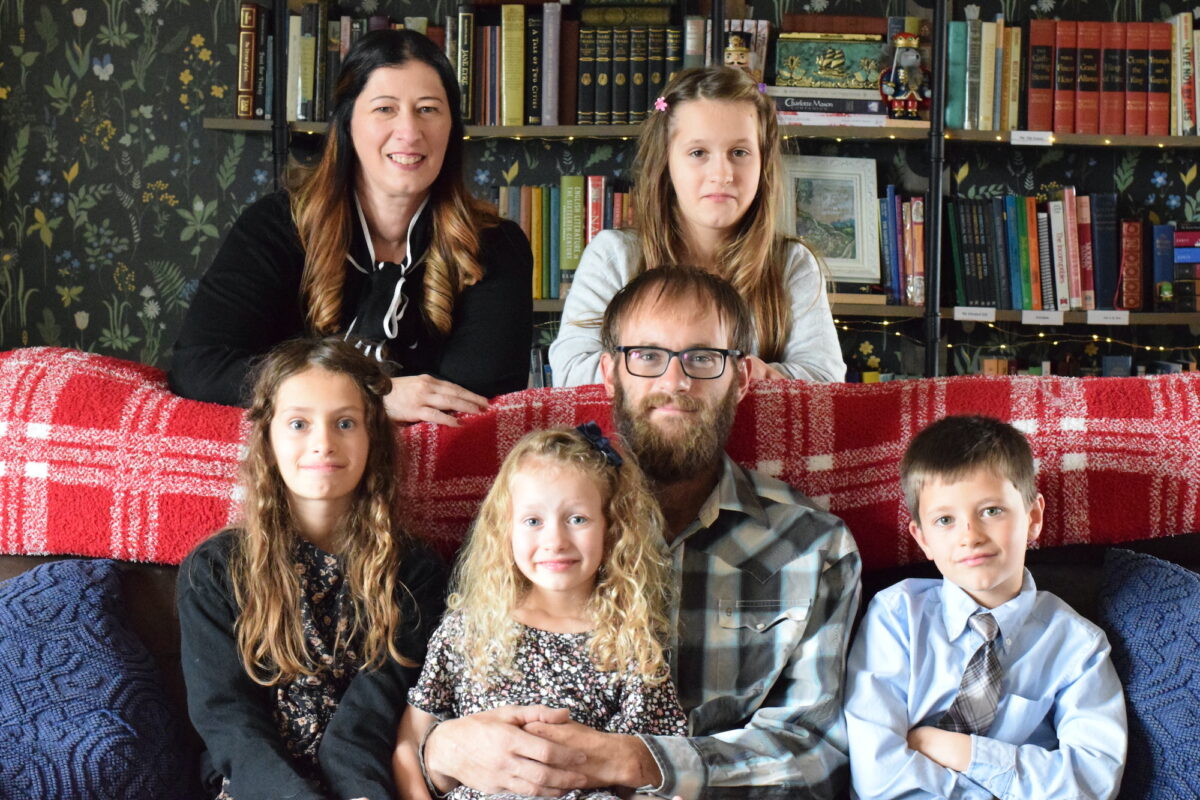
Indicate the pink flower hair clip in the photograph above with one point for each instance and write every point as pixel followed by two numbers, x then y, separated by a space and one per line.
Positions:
pixel 762 88
pixel 660 104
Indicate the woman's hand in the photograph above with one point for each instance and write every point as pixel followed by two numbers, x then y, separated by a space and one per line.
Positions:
pixel 762 371
pixel 424 398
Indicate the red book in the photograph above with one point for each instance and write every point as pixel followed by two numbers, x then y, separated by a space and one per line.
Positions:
pixel 1040 102
pixel 1129 295
pixel 1035 266
pixel 833 23
pixel 247 58
pixel 1071 234
pixel 1112 77
pixel 1137 74
pixel 1087 84
pixel 1087 271
pixel 1066 63
pixel 1187 238
pixel 1158 93
pixel 594 202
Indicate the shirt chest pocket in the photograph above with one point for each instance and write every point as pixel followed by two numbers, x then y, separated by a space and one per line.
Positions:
pixel 760 615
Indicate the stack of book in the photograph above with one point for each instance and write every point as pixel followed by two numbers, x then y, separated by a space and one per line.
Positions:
pixel 1065 254
pixel 1113 78
pixel 1176 266
pixel 560 220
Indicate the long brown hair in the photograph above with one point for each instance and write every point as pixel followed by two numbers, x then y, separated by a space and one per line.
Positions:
pixel 266 588
pixel 322 198
pixel 753 258
pixel 633 587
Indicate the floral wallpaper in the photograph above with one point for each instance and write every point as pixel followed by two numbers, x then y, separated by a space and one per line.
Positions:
pixel 114 197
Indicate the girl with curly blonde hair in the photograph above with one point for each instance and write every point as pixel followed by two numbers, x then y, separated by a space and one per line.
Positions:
pixel 559 599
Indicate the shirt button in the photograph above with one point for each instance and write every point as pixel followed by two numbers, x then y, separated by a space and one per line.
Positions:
pixel 1008 642
pixel 760 626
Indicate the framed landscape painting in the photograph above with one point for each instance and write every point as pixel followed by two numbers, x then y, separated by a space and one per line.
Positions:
pixel 832 204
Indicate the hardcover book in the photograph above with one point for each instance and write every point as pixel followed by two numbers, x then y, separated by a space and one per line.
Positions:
pixel 1137 76
pixel 1112 78
pixel 1087 85
pixel 512 64
pixel 604 75
pixel 248 17
pixel 639 73
pixel 1040 101
pixel 619 81
pixel 586 92
pixel 829 63
pixel 1065 75
pixel 1158 91
pixel 1130 286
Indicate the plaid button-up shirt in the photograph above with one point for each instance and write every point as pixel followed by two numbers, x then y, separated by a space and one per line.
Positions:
pixel 768 587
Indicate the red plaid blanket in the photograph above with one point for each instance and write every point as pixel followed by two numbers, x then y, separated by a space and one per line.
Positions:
pixel 98 458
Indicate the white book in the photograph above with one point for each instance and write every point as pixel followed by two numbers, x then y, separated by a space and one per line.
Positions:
pixel 1058 252
pixel 293 67
pixel 693 41
pixel 551 47
pixel 987 76
pixel 998 72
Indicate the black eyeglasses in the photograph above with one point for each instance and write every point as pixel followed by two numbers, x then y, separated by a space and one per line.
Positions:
pixel 699 363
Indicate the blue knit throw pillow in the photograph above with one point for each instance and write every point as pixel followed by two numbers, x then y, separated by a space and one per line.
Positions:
pixel 1150 609
pixel 82 710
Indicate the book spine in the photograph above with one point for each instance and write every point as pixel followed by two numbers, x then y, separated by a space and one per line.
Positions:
pixel 906 254
pixel 1045 260
pixel 623 16
pixel 1012 55
pixel 512 64
pixel 1105 248
pixel 547 250
pixel 998 252
pixel 1087 85
pixel 657 64
pixel 293 68
pixel 1071 228
pixel 571 232
pixel 996 51
pixel 1031 255
pixel 535 239
pixel 1024 272
pixel 1058 247
pixel 693 42
pixel 1158 92
pixel 1112 78
pixel 269 90
pixel 450 21
pixel 551 66
pixel 248 14
pixel 758 52
pixel 916 288
pixel 607 213
pixel 604 89
pixel 974 59
pixel 885 252
pixel 956 72
pixel 1012 240
pixel 262 54
pixel 465 65
pixel 533 69
pixel 619 82
pixel 1040 99
pixel 568 82
pixel 1066 63
pixel 594 207
pixel 1130 291
pixel 1137 80
pixel 830 105
pixel 639 73
pixel 333 61
pixel 833 23
pixel 954 228
pixel 674 50
pixel 1162 267
pixel 320 59
pixel 555 230
pixel 586 113
pixel 1087 264
pixel 308 58
pixel 1185 34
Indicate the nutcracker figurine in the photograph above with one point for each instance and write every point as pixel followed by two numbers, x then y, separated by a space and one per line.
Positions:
pixel 906 85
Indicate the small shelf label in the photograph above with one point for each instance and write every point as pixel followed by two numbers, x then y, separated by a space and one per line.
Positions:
pixel 1041 318
pixel 975 313
pixel 1035 138
pixel 1108 318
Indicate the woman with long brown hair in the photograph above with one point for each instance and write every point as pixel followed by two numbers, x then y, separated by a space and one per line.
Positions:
pixel 381 243
pixel 301 627
pixel 708 194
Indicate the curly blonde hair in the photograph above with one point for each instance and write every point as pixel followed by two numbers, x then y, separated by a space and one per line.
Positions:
pixel 753 258
pixel 633 587
pixel 266 587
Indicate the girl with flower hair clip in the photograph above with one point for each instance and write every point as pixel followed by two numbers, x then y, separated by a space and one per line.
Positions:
pixel 559 599
pixel 708 194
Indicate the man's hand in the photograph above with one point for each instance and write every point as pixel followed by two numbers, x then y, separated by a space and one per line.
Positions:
pixel 490 752
pixel 951 750
pixel 613 759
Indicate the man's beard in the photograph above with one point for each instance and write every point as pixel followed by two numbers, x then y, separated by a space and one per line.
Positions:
pixel 670 456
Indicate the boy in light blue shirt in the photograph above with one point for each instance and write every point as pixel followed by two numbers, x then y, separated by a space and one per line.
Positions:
pixel 978 685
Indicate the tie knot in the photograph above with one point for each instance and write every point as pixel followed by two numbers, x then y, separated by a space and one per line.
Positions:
pixel 985 625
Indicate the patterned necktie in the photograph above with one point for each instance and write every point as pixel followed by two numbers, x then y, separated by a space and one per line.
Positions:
pixel 974 709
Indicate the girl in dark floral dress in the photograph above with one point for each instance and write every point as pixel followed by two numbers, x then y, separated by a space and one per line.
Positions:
pixel 302 627
pixel 560 599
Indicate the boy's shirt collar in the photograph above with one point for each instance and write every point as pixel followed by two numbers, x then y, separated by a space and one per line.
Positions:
pixel 958 607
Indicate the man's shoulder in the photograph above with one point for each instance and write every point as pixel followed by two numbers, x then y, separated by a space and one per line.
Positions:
pixel 786 506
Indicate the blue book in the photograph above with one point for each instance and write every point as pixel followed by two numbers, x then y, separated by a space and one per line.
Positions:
pixel 956 72
pixel 1105 248
pixel 1162 241
pixel 1012 239
pixel 894 246
pixel 555 244
pixel 885 250
pixel 1184 255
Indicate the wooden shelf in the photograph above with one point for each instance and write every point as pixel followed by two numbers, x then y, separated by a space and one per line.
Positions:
pixel 1080 317
pixel 548 306
pixel 1076 139
pixel 588 131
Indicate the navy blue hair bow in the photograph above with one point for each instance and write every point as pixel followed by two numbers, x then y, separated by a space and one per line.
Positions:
pixel 591 431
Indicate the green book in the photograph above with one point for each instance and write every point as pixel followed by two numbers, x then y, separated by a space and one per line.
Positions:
pixel 570 241
pixel 546 249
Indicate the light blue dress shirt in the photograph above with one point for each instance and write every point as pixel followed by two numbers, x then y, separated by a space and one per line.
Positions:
pixel 1060 727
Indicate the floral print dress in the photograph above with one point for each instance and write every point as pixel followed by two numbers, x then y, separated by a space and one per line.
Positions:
pixel 303 707
pixel 556 671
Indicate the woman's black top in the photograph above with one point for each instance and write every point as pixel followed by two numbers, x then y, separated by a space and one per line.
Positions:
pixel 330 734
pixel 249 300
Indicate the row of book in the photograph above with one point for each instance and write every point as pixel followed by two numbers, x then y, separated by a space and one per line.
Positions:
pixel 560 220
pixel 902 247
pixel 1066 76
pixel 1061 255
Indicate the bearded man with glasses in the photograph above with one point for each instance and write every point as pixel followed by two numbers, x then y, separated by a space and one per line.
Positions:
pixel 768 585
